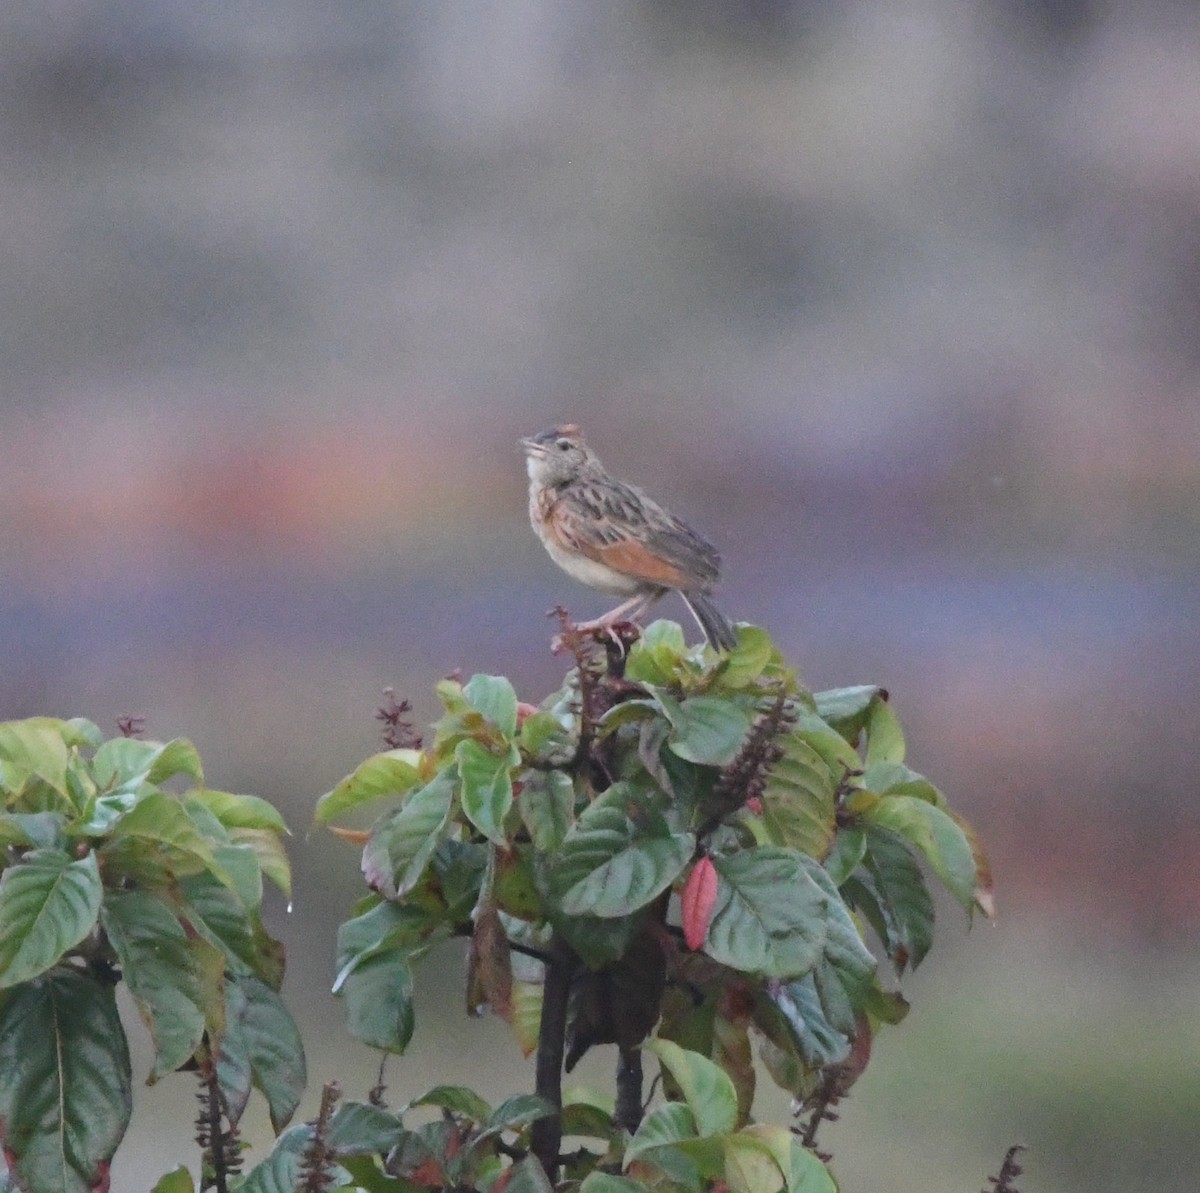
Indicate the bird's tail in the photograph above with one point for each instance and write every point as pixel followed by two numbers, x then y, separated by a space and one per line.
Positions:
pixel 711 620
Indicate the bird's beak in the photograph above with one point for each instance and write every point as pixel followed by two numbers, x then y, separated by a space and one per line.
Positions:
pixel 531 447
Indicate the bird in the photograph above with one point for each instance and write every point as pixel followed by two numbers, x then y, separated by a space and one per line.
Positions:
pixel 611 536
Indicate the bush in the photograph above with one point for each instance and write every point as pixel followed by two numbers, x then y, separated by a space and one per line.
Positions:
pixel 682 853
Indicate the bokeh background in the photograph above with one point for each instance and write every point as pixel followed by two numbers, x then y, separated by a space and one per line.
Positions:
pixel 898 300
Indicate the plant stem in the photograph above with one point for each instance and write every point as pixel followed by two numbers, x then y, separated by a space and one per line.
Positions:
pixel 546 1133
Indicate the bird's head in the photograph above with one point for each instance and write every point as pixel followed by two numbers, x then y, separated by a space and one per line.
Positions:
pixel 558 455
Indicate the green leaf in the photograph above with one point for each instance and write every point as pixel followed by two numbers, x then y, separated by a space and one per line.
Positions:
pixel 459 1099
pixel 770 915
pixel 218 914
pixel 547 807
pixel 935 835
pixel 750 1166
pixel 839 755
pixel 819 1041
pixel 378 997
pixel 656 657
pixel 708 729
pixel 798 799
pixel 486 791
pixel 493 696
pixel 179 1180
pixel 746 662
pixel 34 749
pixel 670 1123
pixel 240 811
pixel 528 1176
pixel 270 854
pixel 885 739
pixel 380 928
pixel 125 763
pixel 611 864
pixel 404 840
pixel 604 1182
pixel 808 1174
pixel 42 830
pixel 361 1129
pixel 705 1086
pixel 158 963
pixel 849 846
pixel 897 901
pixel 391 773
pixel 846 709
pixel 542 729
pixel 261 1045
pixel 65 1098
pixel 48 904
pixel 514 1113
pixel 157 834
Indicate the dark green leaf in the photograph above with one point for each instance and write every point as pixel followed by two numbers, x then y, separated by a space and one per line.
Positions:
pixel 528 1176
pixel 154 836
pixel 404 840
pixel 808 1174
pixel 846 709
pixel 362 1129
pixel 65 1095
pixel 391 773
pixel 547 807
pixel 610 864
pixel 903 910
pixel 849 845
pixel 459 1099
pixel 819 1041
pixel 42 830
pixel 493 696
pixel 486 791
pixel 708 729
pixel 378 997
pixel 935 835
pixel 582 1118
pixel 221 918
pixel 48 904
pixel 379 929
pixel 518 1111
pixel 158 963
pixel 798 799
pixel 770 915
pixel 261 1045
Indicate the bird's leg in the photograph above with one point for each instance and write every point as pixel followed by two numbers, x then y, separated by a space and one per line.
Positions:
pixel 626 611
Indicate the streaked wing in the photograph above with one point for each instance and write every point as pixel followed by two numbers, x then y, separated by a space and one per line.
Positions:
pixel 619 526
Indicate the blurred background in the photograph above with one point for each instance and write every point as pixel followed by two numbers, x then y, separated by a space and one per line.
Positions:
pixel 898 301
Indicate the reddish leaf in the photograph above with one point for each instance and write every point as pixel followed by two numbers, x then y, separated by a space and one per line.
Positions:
pixel 699 896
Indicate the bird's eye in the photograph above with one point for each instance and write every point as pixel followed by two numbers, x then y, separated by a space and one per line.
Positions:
pixel 564 445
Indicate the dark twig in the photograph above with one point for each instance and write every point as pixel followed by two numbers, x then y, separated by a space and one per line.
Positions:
pixel 1009 1171
pixel 821 1105
pixel 216 1135
pixel 316 1168
pixel 375 1097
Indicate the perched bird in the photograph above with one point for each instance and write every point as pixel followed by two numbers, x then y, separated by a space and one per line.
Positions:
pixel 611 536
